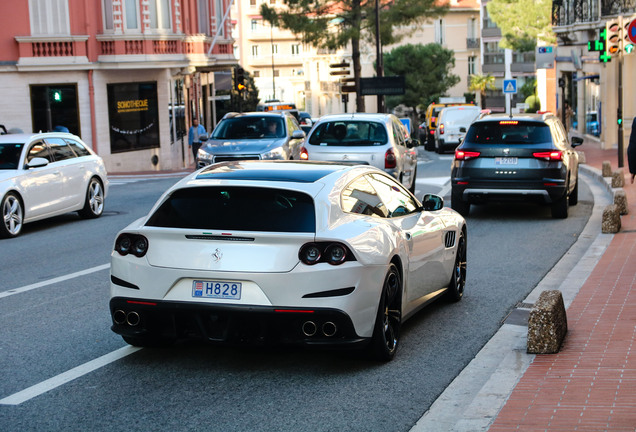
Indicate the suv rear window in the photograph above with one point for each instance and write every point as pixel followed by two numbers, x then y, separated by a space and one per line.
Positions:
pixel 237 208
pixel 508 132
pixel 349 133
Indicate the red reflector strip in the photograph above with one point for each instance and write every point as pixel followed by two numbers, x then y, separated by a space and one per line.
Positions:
pixel 141 303
pixel 508 122
pixel 462 183
pixel 293 311
pixel 550 184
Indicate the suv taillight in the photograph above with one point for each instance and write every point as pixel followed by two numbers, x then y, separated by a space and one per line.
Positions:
pixel 555 155
pixel 465 155
pixel 389 159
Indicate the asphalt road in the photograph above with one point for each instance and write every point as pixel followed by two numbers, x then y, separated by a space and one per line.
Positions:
pixel 54 329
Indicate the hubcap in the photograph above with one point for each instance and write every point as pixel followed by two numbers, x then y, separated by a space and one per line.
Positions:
pixel 12 214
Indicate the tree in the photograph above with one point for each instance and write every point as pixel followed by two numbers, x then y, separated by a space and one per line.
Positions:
pixel 522 22
pixel 427 70
pixel 334 24
pixel 481 83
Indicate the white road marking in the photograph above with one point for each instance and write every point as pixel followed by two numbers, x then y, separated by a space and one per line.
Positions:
pixel 53 281
pixel 63 378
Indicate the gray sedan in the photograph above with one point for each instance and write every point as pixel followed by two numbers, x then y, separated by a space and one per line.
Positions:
pixel 252 136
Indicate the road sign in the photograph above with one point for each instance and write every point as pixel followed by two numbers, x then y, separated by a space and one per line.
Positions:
pixel 392 85
pixel 544 57
pixel 510 86
pixel 407 123
pixel 631 31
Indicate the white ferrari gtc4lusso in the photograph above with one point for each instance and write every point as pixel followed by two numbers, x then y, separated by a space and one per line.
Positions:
pixel 308 253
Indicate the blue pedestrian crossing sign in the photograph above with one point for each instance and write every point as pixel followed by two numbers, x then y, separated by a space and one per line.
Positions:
pixel 510 86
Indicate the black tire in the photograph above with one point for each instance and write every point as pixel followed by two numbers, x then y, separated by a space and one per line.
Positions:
pixel 94 204
pixel 386 333
pixel 457 283
pixel 560 207
pixel 413 179
pixel 574 195
pixel 457 204
pixel 12 216
pixel 429 144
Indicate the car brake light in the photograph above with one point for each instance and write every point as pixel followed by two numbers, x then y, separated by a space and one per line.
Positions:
pixel 508 122
pixel 432 132
pixel 304 154
pixel 549 155
pixel 389 159
pixel 465 155
pixel 441 129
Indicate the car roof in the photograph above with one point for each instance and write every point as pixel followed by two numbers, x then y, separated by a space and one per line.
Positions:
pixel 28 137
pixel 257 114
pixel 272 171
pixel 519 117
pixel 357 116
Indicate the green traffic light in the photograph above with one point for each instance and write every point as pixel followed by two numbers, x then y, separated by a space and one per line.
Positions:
pixel 629 48
pixel 57 96
pixel 619 121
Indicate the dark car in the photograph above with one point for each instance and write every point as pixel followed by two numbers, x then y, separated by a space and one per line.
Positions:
pixel 252 136
pixel 523 158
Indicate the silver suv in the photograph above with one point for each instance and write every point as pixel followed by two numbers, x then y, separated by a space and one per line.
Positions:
pixel 252 136
pixel 379 140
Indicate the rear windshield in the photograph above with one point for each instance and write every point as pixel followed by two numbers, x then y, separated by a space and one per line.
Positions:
pixel 349 133
pixel 508 132
pixel 238 209
pixel 252 127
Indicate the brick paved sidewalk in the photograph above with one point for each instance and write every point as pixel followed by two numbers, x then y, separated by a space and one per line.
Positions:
pixel 590 385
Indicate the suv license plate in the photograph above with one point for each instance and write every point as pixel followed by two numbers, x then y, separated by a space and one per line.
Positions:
pixel 506 161
pixel 216 289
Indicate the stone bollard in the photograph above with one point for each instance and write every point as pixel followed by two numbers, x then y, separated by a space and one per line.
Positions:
pixel 547 324
pixel 618 178
pixel 611 220
pixel 620 199
pixel 607 169
pixel 582 159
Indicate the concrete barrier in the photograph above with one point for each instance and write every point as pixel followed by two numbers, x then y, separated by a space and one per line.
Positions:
pixel 618 178
pixel 611 220
pixel 620 199
pixel 606 169
pixel 547 324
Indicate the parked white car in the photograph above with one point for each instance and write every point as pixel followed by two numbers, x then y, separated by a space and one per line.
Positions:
pixel 48 174
pixel 379 140
pixel 452 124
pixel 306 253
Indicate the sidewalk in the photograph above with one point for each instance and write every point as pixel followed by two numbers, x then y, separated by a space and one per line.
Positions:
pixel 590 385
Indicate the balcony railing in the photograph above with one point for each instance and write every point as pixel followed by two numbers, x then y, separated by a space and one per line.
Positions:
pixel 472 43
pixel 568 12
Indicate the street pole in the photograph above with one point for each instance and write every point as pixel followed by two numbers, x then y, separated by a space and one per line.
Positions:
pixel 619 111
pixel 271 40
pixel 378 53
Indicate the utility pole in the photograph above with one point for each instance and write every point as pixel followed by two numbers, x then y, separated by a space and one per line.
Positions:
pixel 378 53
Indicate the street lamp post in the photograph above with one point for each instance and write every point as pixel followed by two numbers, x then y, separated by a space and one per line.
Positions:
pixel 271 40
pixel 378 53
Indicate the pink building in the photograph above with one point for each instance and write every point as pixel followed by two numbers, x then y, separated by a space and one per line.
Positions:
pixel 125 75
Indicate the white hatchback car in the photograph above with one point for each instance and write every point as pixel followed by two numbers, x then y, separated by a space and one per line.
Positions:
pixel 286 252
pixel 379 140
pixel 48 174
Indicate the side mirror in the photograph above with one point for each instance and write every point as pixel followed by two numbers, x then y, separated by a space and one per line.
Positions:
pixel 37 162
pixel 432 202
pixel 203 137
pixel 577 141
pixel 462 129
pixel 298 134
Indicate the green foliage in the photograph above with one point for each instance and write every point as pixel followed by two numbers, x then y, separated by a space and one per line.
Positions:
pixel 534 104
pixel 522 22
pixel 481 83
pixel 529 88
pixel 427 70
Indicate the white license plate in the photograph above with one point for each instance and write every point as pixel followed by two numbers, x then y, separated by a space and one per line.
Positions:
pixel 506 161
pixel 216 289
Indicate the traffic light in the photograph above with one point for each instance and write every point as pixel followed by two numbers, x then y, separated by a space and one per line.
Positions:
pixel 56 95
pixel 240 79
pixel 614 36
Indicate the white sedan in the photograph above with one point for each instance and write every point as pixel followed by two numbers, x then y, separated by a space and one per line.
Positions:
pixel 48 174
pixel 290 252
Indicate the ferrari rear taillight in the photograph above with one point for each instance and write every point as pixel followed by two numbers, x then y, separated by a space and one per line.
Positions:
pixel 333 253
pixel 555 155
pixel 131 244
pixel 390 160
pixel 465 155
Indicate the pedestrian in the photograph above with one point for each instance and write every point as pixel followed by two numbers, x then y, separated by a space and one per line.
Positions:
pixel 631 151
pixel 194 137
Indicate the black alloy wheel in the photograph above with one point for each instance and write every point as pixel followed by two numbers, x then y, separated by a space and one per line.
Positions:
pixel 457 283
pixel 386 333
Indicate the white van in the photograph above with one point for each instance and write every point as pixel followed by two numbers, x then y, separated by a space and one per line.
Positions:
pixel 452 124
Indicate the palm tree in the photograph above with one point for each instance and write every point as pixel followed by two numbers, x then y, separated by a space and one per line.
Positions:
pixel 482 83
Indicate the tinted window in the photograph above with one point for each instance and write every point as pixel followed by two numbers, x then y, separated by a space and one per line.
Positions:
pixel 79 149
pixel 360 197
pixel 397 200
pixel 237 208
pixel 60 149
pixel 349 133
pixel 39 149
pixel 10 155
pixel 252 127
pixel 508 132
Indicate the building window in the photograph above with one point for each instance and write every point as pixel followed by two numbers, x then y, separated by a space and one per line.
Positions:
pixel 252 3
pixel 159 11
pixel 254 25
pixel 276 73
pixel 472 65
pixel 295 49
pixel 272 1
pixel 108 14
pixel 49 17
pixel 218 13
pixel 488 23
pixel 472 28
pixel 255 52
pixel 131 14
pixel 204 17
pixel 274 49
pixel 439 32
pixel 256 74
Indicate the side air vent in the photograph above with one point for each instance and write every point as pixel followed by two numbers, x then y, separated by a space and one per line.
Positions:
pixel 449 241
